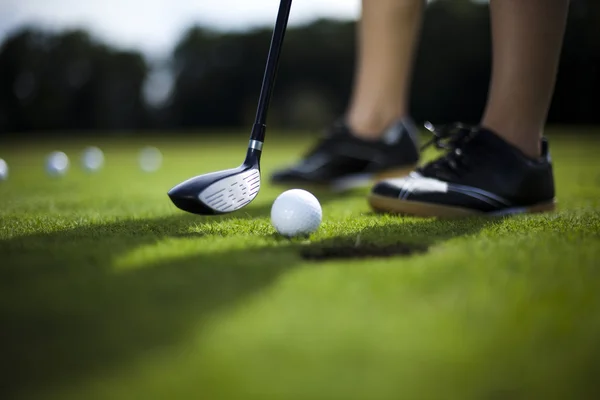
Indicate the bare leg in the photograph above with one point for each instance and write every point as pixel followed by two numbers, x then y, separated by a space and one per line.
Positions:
pixel 527 40
pixel 387 39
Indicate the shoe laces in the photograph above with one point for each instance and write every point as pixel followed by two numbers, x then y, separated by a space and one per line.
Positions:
pixel 452 138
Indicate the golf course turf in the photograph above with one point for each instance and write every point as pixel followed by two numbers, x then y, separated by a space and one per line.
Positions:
pixel 107 291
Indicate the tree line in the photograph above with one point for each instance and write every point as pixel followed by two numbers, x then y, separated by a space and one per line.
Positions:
pixel 70 82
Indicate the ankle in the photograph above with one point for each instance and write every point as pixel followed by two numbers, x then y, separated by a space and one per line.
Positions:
pixel 371 126
pixel 532 149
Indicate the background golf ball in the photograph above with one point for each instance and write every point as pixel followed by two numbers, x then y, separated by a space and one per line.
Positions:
pixel 150 159
pixel 57 163
pixel 92 159
pixel 3 170
pixel 296 212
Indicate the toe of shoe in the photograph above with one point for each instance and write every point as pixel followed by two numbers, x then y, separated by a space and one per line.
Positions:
pixel 282 175
pixel 387 188
pixel 290 176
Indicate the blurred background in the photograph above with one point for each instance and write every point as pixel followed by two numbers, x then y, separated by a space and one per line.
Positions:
pixel 125 67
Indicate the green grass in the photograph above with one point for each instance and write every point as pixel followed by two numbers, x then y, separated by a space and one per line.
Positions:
pixel 109 292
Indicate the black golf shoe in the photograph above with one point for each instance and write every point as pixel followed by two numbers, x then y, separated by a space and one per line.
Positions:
pixel 480 174
pixel 342 161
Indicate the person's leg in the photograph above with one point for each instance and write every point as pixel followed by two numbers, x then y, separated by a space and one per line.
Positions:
pixel 503 165
pixel 527 40
pixel 375 137
pixel 387 40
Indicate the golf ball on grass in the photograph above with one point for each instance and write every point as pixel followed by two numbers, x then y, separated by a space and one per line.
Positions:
pixel 3 170
pixel 92 159
pixel 296 212
pixel 57 163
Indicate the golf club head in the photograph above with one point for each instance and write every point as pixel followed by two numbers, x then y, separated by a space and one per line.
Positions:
pixel 227 191
pixel 218 192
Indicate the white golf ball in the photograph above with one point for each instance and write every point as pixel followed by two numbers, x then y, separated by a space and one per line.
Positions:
pixel 92 159
pixel 150 159
pixel 3 170
pixel 57 163
pixel 296 212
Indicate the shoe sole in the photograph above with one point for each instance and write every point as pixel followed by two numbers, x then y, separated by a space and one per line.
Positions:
pixel 351 182
pixel 382 204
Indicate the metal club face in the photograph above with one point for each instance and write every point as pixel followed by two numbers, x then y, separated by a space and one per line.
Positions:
pixel 218 192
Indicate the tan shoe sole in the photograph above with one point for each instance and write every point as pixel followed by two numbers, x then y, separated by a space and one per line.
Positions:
pixel 384 204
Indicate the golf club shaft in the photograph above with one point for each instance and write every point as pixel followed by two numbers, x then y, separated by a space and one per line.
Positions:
pixel 258 130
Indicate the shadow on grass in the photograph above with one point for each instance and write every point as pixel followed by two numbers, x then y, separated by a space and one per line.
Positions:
pixel 400 237
pixel 66 313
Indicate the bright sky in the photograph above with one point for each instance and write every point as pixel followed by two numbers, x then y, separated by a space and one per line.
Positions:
pixel 153 26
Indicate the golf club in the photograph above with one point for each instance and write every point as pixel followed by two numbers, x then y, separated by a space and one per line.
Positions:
pixel 229 190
